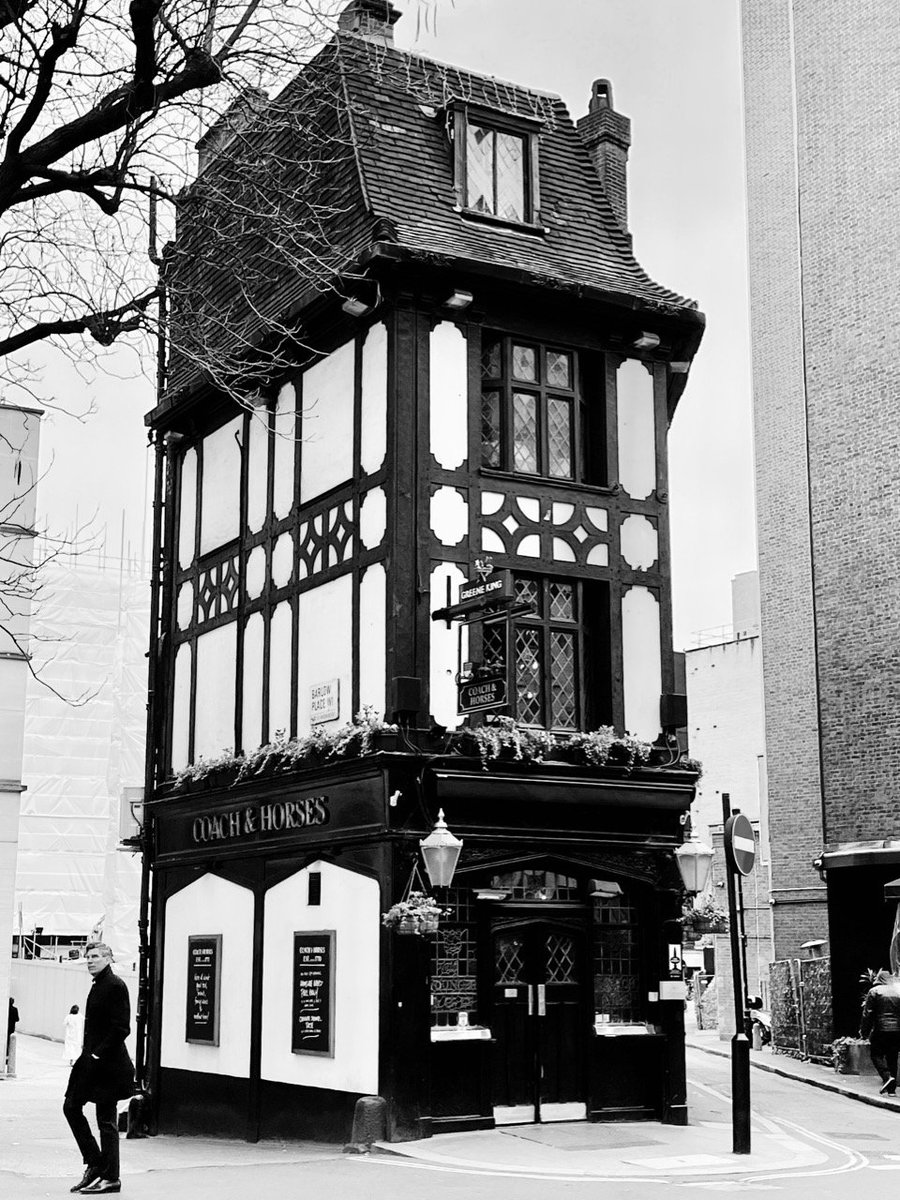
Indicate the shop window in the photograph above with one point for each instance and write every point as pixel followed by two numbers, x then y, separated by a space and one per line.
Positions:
pixel 553 656
pixel 533 418
pixel 454 984
pixel 617 960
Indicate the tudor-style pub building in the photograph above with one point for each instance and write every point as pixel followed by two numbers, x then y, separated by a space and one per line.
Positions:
pixel 487 387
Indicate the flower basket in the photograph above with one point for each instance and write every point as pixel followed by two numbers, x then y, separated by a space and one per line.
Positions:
pixel 416 914
pixel 409 925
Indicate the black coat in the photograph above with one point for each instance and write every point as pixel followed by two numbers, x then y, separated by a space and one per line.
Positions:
pixel 107 1023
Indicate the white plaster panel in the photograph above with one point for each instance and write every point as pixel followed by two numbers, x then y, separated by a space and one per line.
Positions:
pixel 221 487
pixel 443 647
pixel 188 514
pixel 209 905
pixel 637 429
pixel 598 517
pixel 283 560
pixel 642 662
pixel 325 644
pixel 351 907
pixel 257 469
pixel 327 458
pixel 285 450
pixel 449 392
pixel 185 604
pixel 562 551
pixel 562 512
pixel 214 697
pixel 530 546
pixel 252 683
pixel 598 556
pixel 373 637
pixel 181 706
pixel 373 518
pixel 256 572
pixel 491 502
pixel 280 659
pixel 530 507
pixel 373 432
pixel 449 516
pixel 492 541
pixel 639 542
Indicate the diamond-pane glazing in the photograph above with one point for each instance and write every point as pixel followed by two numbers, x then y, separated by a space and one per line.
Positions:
pixel 491 358
pixel 525 447
pixel 524 363
pixel 562 675
pixel 480 169
pixel 559 369
pixel 561 964
pixel 529 683
pixel 559 437
pixel 528 592
pixel 510 151
pixel 509 959
pixel 562 601
pixel 493 646
pixel 490 429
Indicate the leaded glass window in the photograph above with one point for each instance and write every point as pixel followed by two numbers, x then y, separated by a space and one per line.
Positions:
pixel 495 173
pixel 617 959
pixel 454 982
pixel 531 411
pixel 534 884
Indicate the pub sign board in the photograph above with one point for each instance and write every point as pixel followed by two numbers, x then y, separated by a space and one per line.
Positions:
pixel 481 695
pixel 204 973
pixel 312 1018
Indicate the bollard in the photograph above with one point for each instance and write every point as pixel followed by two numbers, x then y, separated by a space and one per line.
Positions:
pixel 11 1057
pixel 756 1036
pixel 369 1124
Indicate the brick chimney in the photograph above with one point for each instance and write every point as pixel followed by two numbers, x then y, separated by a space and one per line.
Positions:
pixel 607 136
pixel 373 19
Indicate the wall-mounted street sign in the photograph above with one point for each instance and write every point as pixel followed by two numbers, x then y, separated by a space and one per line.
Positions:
pixel 481 695
pixel 740 844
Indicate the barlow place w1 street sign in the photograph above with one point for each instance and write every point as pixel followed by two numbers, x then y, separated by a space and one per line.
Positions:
pixel 740 844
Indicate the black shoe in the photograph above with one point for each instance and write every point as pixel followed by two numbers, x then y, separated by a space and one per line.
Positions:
pixel 101 1186
pixel 90 1174
pixel 889 1086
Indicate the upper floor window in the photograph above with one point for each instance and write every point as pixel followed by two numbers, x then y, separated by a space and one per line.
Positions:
pixel 529 408
pixel 496 165
pixel 555 655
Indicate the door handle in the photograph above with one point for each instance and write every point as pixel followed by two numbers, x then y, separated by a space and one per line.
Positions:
pixel 542 999
pixel 530 987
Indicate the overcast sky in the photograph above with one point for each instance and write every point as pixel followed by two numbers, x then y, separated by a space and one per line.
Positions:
pixel 675 70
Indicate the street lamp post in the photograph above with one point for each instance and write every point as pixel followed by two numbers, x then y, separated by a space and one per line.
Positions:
pixel 440 851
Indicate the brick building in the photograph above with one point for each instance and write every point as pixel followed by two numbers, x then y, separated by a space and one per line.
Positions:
pixel 822 138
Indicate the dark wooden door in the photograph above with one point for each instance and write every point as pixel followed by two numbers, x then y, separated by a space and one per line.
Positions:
pixel 538 1019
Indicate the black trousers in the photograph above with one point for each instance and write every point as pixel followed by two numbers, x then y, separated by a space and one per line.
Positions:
pixel 104 1157
pixel 884 1048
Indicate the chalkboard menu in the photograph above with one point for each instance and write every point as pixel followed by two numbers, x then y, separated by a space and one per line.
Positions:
pixel 203 974
pixel 312 1026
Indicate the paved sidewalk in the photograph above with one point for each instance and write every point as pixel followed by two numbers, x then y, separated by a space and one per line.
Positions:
pixel 858 1087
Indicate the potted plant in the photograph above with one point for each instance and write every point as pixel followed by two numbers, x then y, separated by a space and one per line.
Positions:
pixel 707 917
pixel 417 914
pixel 849 1055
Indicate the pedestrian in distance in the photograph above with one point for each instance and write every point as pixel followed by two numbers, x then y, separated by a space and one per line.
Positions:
pixel 102 1074
pixel 881 1025
pixel 12 1021
pixel 74 1035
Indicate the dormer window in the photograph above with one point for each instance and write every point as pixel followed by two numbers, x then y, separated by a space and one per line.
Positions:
pixel 496 166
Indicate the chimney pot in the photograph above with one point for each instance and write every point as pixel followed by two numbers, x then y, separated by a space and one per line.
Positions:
pixel 373 19
pixel 606 135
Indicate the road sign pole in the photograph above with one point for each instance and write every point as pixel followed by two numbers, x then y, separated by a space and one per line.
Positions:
pixel 740 1043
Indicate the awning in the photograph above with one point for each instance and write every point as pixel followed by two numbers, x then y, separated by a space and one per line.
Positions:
pixel 862 856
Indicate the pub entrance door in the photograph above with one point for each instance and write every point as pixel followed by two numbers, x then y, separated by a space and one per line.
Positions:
pixel 539 1019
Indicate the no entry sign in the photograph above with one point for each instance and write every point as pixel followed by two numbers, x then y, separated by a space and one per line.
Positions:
pixel 740 844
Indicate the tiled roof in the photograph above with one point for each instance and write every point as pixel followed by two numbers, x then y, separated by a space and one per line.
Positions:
pixel 398 107
pixel 356 144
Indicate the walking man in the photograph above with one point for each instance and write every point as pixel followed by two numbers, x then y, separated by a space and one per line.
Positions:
pixel 102 1074
pixel 881 1025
